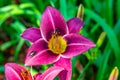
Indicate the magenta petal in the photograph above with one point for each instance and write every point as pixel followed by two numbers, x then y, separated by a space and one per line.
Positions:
pixel 66 64
pixel 38 54
pixel 13 71
pixel 37 76
pixel 51 21
pixel 50 73
pixel 77 44
pixel 31 34
pixel 65 75
pixel 39 45
pixel 74 25
pixel 42 57
pixel 63 62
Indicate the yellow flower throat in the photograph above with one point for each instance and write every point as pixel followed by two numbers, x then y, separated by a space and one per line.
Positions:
pixel 57 44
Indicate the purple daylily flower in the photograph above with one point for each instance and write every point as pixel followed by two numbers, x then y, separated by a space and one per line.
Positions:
pixel 55 39
pixel 14 71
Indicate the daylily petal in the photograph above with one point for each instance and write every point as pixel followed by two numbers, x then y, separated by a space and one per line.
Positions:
pixel 37 76
pixel 13 71
pixel 38 54
pixel 65 75
pixel 50 73
pixel 65 63
pixel 13 68
pixel 39 45
pixel 74 25
pixel 77 44
pixel 51 21
pixel 31 34
pixel 42 57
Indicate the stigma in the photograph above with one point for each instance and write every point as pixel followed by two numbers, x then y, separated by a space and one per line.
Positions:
pixel 57 44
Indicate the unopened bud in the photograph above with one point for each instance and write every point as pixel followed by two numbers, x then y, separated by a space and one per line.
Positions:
pixel 114 74
pixel 80 12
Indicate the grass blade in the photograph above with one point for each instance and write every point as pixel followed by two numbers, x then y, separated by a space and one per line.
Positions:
pixel 7 44
pixel 109 14
pixel 18 48
pixel 103 65
pixel 118 9
pixel 63 8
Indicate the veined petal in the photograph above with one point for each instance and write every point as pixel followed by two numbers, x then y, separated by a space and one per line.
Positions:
pixel 41 57
pixel 39 45
pixel 63 62
pixel 75 25
pixel 38 54
pixel 77 44
pixel 50 73
pixel 66 64
pixel 13 71
pixel 51 21
pixel 13 68
pixel 31 34
pixel 76 38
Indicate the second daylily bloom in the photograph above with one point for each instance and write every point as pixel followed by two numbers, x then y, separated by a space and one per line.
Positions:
pixel 55 39
pixel 14 71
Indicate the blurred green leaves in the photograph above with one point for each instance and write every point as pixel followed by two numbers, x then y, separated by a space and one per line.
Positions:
pixel 13 10
pixel 110 33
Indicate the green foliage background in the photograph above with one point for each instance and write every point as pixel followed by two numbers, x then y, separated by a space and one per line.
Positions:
pixel 102 26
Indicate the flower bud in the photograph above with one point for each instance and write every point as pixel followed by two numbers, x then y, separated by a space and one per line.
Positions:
pixel 114 74
pixel 80 12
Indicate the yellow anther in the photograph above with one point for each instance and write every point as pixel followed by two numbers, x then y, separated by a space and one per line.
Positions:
pixel 57 44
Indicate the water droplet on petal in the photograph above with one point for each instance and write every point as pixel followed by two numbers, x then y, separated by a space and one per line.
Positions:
pixel 32 53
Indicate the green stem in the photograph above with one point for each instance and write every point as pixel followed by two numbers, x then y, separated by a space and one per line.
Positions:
pixel 103 63
pixel 18 48
pixel 83 71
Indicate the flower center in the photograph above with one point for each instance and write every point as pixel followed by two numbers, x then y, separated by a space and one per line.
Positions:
pixel 26 75
pixel 57 44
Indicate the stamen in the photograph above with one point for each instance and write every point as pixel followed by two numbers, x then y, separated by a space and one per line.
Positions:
pixel 25 75
pixel 57 44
